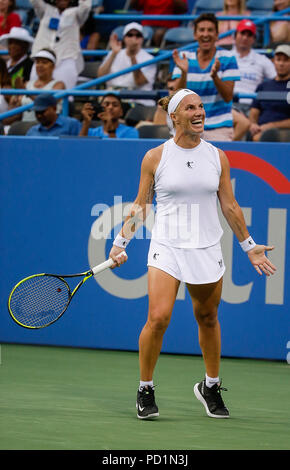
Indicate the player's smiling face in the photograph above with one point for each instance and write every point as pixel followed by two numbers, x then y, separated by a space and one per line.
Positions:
pixel 190 115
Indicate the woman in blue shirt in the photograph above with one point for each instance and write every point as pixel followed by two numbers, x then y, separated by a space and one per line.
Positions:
pixel 110 116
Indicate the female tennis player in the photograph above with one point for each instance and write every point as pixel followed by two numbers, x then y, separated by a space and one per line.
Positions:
pixel 187 174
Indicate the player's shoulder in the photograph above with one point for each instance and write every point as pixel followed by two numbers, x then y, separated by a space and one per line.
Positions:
pixel 152 157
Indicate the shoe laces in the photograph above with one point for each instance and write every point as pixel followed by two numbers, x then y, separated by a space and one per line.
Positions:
pixel 147 396
pixel 216 393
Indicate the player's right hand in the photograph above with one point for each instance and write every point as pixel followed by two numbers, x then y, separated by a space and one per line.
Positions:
pixel 116 256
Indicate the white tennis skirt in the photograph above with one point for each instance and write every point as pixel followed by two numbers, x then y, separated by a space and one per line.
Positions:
pixel 190 265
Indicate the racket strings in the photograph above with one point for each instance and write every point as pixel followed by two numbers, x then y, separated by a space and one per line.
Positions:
pixel 39 300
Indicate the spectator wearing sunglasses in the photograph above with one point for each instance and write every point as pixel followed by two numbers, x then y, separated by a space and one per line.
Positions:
pixel 120 58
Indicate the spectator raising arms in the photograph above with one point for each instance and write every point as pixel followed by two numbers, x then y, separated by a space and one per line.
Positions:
pixel 59 30
pixel 273 114
pixel 8 17
pixel 211 73
pixel 119 59
pixel 110 114
pixel 19 63
pixel 231 8
pixel 160 7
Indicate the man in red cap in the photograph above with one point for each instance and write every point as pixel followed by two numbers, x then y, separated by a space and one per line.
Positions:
pixel 254 68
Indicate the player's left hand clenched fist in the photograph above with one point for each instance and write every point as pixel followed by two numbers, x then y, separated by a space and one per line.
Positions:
pixel 260 261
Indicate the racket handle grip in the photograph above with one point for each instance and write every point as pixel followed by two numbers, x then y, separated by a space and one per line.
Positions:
pixel 106 264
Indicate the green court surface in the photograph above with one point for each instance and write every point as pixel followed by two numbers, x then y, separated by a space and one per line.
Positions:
pixel 73 399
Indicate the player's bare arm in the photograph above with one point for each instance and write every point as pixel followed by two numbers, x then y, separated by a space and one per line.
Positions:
pixel 235 218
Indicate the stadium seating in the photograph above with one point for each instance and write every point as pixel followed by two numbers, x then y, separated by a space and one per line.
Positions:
pixel 176 37
pixel 206 6
pixel 148 33
pixel 153 132
pixel 21 127
pixel 139 113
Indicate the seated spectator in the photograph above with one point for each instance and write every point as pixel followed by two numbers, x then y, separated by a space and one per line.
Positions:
pixel 254 68
pixel 157 7
pixel 50 123
pixel 59 29
pixel 8 17
pixel 110 115
pixel 6 102
pixel 231 8
pixel 132 54
pixel 273 114
pixel 89 36
pixel 45 61
pixel 19 63
pixel 280 30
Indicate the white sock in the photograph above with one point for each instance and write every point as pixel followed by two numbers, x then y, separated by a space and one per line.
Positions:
pixel 210 381
pixel 143 384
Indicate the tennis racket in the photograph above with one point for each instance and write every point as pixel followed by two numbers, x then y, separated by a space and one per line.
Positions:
pixel 39 300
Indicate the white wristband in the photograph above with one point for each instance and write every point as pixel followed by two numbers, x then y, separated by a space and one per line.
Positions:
pixel 121 242
pixel 247 244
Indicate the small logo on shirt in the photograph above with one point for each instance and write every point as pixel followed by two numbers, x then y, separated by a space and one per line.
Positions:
pixel 189 164
pixel 220 262
pixel 155 255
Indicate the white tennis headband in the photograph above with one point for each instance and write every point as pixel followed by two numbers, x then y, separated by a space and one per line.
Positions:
pixel 174 102
pixel 45 55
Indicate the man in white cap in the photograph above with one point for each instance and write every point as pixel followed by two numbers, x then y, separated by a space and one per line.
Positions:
pixel 121 58
pixel 18 41
pixel 265 114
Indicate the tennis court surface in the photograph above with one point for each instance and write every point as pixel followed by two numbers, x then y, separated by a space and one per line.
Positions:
pixel 72 399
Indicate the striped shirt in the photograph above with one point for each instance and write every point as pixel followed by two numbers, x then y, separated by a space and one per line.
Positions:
pixel 218 112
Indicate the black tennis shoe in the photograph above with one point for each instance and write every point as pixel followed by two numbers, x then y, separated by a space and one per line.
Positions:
pixel 211 399
pixel 145 404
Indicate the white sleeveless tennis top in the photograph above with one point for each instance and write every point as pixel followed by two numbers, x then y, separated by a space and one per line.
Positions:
pixel 186 185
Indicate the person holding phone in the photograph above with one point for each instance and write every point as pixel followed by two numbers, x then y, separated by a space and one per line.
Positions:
pixel 110 113
pixel 59 30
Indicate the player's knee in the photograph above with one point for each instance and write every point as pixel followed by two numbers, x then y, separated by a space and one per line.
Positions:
pixel 207 317
pixel 159 319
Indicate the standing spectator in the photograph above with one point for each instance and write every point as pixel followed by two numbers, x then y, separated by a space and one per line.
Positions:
pixel 231 8
pixel 59 30
pixel 254 68
pixel 280 30
pixel 273 114
pixel 131 54
pixel 50 123
pixel 8 17
pixel 211 73
pixel 19 63
pixel 160 7
pixel 110 116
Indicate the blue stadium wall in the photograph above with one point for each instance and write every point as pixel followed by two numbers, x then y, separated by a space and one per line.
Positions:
pixel 57 197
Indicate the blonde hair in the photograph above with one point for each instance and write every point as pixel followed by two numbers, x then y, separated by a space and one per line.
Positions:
pixel 241 6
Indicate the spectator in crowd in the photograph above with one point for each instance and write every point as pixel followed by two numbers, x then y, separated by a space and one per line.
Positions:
pixel 121 58
pixel 273 114
pixel 45 61
pixel 157 7
pixel 254 68
pixel 5 100
pixel 231 8
pixel 8 17
pixel 211 73
pixel 19 63
pixel 110 114
pixel 280 30
pixel 50 123
pixel 89 36
pixel 59 29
